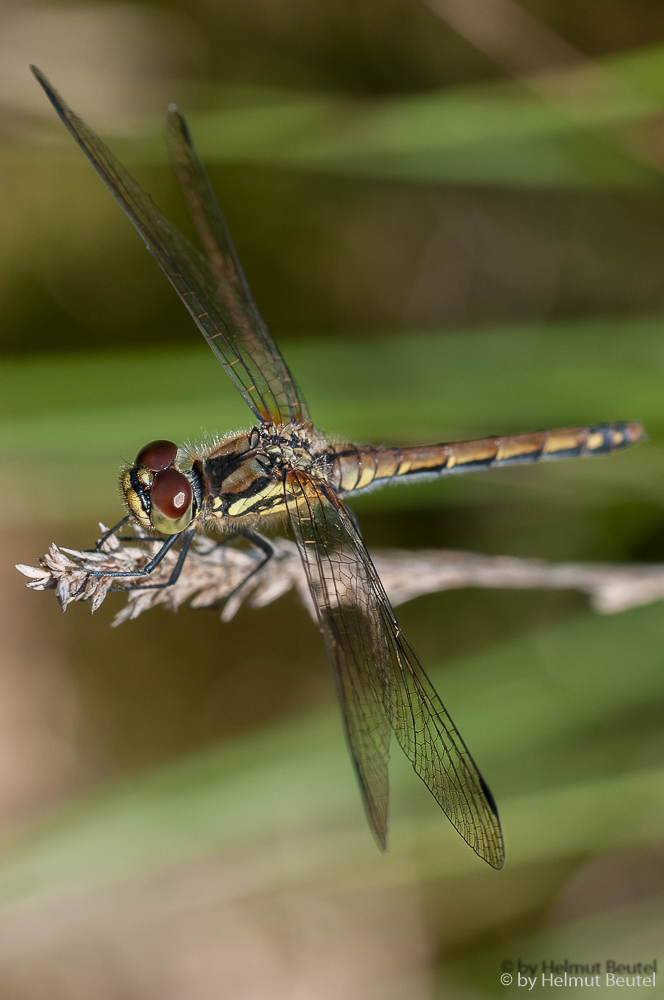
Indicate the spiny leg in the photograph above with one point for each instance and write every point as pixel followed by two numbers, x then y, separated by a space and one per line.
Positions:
pixel 258 541
pixel 266 547
pixel 187 538
pixel 108 534
pixel 99 547
pixel 147 569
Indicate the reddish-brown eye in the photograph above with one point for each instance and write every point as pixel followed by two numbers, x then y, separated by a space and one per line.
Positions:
pixel 171 494
pixel 157 455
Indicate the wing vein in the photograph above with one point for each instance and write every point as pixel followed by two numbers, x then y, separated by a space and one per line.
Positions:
pixel 379 679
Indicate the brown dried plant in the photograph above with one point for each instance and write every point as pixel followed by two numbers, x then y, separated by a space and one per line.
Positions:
pixel 214 572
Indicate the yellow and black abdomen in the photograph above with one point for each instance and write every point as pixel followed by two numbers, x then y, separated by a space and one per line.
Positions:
pixel 357 467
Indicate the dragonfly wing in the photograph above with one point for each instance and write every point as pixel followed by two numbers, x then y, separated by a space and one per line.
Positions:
pixel 193 277
pixel 377 674
pixel 251 336
pixel 350 622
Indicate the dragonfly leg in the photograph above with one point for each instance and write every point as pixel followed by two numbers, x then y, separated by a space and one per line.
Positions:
pixel 260 542
pixel 187 538
pixel 121 538
pixel 266 547
pixel 108 534
pixel 147 569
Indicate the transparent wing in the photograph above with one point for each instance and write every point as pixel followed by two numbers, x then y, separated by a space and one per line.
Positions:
pixel 251 335
pixel 378 676
pixel 350 621
pixel 213 290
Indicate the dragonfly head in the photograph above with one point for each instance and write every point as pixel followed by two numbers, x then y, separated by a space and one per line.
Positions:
pixel 156 493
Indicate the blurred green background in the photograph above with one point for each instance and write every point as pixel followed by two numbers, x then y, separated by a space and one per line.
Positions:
pixel 452 218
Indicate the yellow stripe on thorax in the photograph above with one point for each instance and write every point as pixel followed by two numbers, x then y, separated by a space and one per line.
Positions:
pixel 245 505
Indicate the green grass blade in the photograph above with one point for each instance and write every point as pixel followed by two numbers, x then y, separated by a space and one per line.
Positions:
pixel 496 134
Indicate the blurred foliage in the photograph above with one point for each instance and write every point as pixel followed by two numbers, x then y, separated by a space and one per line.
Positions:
pixel 378 174
pixel 558 214
pixel 561 728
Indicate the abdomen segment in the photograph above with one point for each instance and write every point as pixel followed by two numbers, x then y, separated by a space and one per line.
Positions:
pixel 356 467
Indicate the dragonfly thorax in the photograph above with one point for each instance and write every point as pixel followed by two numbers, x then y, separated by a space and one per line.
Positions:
pixel 246 474
pixel 298 448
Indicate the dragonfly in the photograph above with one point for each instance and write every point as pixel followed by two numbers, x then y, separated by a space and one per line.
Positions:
pixel 283 468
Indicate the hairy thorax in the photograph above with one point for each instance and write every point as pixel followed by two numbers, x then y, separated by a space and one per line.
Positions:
pixel 245 475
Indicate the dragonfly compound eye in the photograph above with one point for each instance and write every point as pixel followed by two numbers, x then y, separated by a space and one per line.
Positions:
pixel 157 455
pixel 171 499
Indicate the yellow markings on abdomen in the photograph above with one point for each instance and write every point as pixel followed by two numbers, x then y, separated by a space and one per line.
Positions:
pixel 518 445
pixel 354 467
pixel 570 439
pixel 467 453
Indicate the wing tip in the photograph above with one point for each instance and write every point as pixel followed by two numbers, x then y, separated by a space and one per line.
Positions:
pixel 60 105
pixel 41 78
pixel 496 858
pixel 488 795
pixel 176 123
